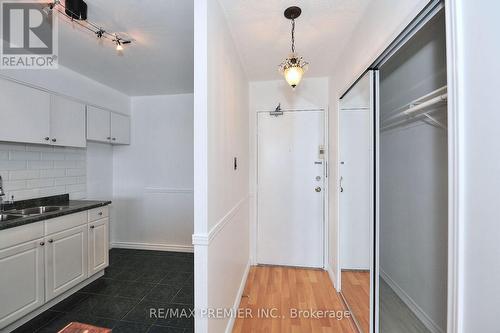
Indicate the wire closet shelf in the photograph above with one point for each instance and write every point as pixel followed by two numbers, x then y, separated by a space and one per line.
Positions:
pixel 419 109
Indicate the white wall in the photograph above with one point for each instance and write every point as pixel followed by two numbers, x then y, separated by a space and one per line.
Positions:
pixel 99 171
pixel 153 176
pixel 474 29
pixel 221 194
pixel 87 165
pixel 312 93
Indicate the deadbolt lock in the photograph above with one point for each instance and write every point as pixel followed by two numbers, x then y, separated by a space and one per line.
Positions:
pixel 318 189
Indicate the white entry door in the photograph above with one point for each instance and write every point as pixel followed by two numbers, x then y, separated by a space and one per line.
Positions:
pixel 290 199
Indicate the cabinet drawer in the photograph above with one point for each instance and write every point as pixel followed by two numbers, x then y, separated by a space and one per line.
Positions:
pixel 22 234
pixel 98 213
pixel 65 222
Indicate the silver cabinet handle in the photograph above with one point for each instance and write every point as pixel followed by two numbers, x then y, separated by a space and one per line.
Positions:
pixel 42 243
pixel 47 138
pixel 108 138
pixel 54 140
pixel 100 213
pixel 318 189
pixel 114 139
pixel 341 188
pixel 92 227
pixel 51 241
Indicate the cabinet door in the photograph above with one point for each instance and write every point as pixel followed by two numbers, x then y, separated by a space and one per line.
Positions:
pixel 24 113
pixel 98 124
pixel 21 280
pixel 120 129
pixel 67 123
pixel 98 245
pixel 66 262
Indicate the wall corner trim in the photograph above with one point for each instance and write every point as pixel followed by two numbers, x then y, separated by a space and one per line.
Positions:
pixel 206 238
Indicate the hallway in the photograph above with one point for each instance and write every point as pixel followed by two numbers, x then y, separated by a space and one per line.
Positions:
pixel 274 295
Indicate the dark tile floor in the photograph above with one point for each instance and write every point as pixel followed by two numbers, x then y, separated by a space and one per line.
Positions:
pixel 135 283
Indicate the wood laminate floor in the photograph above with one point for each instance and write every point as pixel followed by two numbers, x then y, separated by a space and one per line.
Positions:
pixel 356 291
pixel 282 290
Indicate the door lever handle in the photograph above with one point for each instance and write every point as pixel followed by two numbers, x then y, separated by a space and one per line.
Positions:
pixel 341 188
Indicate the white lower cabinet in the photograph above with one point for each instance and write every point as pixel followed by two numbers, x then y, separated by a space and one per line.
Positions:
pixel 66 258
pixel 21 280
pixel 98 246
pixel 42 260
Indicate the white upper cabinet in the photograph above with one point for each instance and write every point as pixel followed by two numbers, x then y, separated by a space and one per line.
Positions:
pixel 106 126
pixel 98 124
pixel 67 123
pixel 24 113
pixel 120 129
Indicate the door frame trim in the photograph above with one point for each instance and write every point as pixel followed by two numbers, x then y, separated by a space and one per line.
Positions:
pixel 254 228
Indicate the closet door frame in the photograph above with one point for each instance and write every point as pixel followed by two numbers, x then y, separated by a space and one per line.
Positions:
pixel 455 114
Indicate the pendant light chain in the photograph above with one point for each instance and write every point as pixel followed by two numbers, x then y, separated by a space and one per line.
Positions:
pixel 294 66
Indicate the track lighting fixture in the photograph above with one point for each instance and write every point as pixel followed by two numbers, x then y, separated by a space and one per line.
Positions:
pixel 76 12
pixel 294 66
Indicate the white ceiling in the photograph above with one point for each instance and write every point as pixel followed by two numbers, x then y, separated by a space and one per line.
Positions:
pixel 159 61
pixel 262 33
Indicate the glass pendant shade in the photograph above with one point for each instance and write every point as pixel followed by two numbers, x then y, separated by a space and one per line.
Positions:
pixel 294 66
pixel 293 75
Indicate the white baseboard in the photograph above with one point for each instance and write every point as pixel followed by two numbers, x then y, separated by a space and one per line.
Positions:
pixel 153 247
pixel 237 300
pixel 410 303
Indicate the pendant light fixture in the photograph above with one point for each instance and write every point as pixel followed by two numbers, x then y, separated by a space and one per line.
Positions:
pixel 294 66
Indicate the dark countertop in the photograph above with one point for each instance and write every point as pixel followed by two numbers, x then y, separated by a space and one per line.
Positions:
pixel 70 207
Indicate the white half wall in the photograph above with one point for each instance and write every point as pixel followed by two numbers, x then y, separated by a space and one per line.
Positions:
pixel 221 238
pixel 153 176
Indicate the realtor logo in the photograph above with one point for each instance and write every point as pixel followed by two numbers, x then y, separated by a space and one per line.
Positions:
pixel 29 35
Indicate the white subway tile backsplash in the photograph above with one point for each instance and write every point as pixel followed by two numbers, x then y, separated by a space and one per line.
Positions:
pixel 65 164
pixel 76 188
pixel 40 164
pixel 75 172
pixel 24 156
pixel 24 194
pixel 12 165
pixel 66 181
pixel 51 156
pixel 52 173
pixel 77 195
pixel 24 174
pixel 31 171
pixel 74 157
pixel 48 191
pixel 38 183
pixel 14 184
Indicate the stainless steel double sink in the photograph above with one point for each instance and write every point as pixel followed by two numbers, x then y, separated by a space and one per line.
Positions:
pixel 26 212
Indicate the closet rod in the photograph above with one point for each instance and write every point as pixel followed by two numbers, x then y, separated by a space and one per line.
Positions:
pixel 414 109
